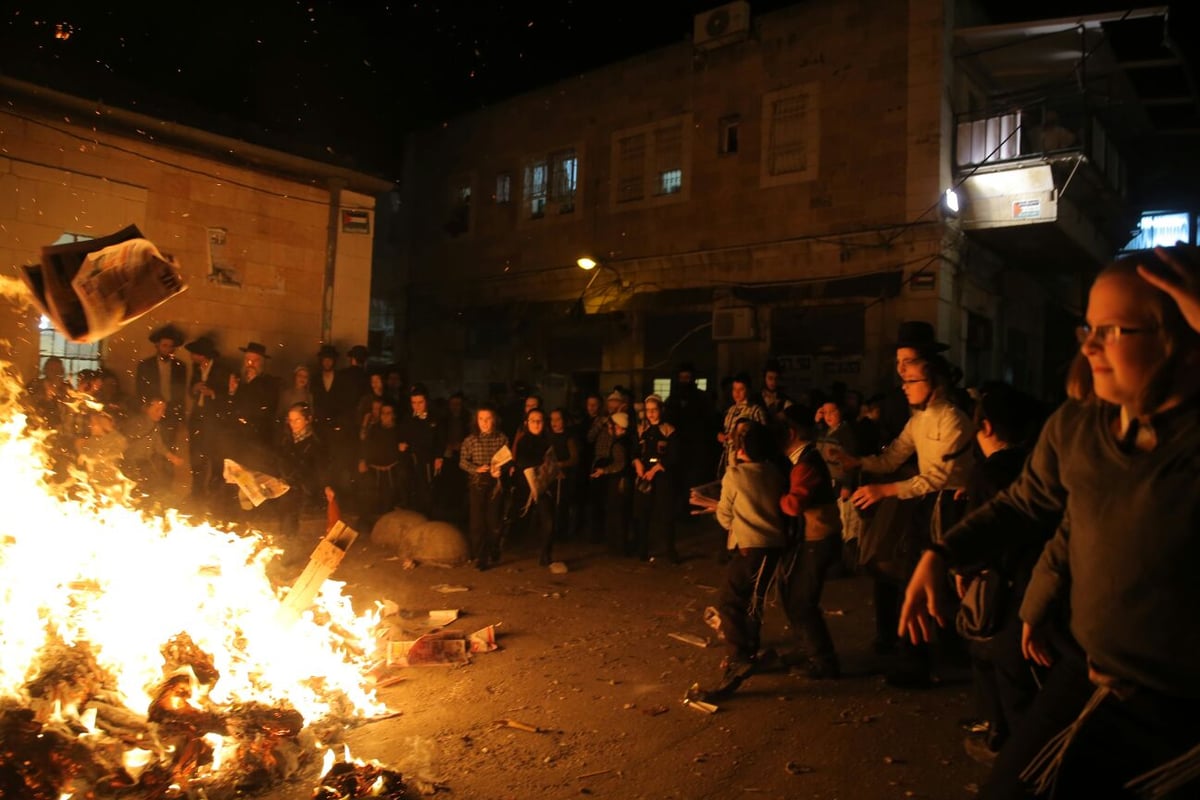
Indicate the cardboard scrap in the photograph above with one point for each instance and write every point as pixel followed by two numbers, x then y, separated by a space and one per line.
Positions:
pixel 688 638
pixel 441 648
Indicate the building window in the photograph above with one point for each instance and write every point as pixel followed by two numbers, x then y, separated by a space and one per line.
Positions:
pixel 503 188
pixel 650 162
pixel 564 177
pixel 631 163
pixel 535 189
pixel 552 183
pixel 460 211
pixel 790 135
pixel 728 128
pixel 1162 230
pixel 670 181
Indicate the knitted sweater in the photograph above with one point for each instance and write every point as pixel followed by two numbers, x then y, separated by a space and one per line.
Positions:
pixel 1129 555
pixel 749 505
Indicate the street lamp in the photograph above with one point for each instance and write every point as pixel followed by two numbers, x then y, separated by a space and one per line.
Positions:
pixel 589 264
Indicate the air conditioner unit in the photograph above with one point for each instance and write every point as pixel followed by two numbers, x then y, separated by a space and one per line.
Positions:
pixel 722 25
pixel 733 324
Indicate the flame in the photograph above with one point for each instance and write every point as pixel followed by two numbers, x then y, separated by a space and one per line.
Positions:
pixel 81 569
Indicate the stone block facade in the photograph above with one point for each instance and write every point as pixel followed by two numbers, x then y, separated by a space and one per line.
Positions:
pixel 252 239
pixel 824 202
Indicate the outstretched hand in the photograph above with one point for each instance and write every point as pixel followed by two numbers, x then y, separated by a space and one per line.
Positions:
pixel 1180 281
pixel 923 600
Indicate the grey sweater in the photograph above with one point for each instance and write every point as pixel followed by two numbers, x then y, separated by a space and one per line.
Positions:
pixel 1130 556
pixel 749 506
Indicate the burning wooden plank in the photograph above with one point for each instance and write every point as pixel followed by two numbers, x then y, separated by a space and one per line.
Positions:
pixel 324 560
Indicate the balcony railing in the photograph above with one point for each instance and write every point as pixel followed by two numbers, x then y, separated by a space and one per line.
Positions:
pixel 1035 130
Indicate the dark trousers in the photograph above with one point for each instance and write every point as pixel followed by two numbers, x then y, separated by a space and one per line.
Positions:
pixel 484 507
pixel 802 574
pixel 617 508
pixel 1005 685
pixel 654 512
pixel 1064 693
pixel 206 466
pixel 741 605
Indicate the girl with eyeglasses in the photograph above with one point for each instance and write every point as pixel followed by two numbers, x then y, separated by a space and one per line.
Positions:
pixel 1121 461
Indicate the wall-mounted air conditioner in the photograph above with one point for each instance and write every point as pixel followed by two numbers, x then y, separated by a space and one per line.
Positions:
pixel 733 324
pixel 722 25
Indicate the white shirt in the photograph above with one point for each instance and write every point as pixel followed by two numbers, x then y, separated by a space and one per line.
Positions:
pixel 933 432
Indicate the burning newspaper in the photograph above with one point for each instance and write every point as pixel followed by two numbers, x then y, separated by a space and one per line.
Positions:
pixel 93 288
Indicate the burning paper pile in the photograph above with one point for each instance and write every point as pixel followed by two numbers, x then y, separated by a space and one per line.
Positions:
pixel 148 657
pixel 93 288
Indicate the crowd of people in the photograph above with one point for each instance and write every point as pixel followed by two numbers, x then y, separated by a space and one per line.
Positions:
pixel 1053 550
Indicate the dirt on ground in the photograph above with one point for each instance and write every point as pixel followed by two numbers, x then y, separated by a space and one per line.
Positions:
pixel 588 671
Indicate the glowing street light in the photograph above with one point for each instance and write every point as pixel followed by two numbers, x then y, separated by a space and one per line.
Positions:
pixel 585 263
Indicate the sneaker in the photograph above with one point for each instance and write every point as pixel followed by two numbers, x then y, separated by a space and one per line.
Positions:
pixel 736 671
pixel 975 726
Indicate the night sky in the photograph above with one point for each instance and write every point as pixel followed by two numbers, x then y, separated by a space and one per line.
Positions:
pixel 344 80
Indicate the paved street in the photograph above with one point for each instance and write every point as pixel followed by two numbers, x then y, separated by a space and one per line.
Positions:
pixel 588 659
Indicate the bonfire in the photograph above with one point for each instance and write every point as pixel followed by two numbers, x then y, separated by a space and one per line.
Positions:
pixel 150 655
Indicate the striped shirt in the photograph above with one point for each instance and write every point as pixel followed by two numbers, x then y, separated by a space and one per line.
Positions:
pixel 478 449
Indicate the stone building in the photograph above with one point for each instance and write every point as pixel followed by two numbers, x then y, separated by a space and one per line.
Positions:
pixel 274 248
pixel 774 187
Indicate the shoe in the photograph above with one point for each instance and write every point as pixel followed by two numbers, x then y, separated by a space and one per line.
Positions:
pixel 975 726
pixel 736 672
pixel 978 749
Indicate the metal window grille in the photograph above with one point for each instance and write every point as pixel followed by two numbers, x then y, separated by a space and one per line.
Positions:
pixel 788 148
pixel 563 180
pixel 668 149
pixel 536 175
pixel 670 182
pixel 631 158
pixel 503 188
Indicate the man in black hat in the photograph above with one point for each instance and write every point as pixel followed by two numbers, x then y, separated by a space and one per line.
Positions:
pixel 164 376
pixel 209 385
pixel 940 434
pixel 253 398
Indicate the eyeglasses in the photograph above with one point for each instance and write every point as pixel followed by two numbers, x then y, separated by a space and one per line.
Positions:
pixel 1107 334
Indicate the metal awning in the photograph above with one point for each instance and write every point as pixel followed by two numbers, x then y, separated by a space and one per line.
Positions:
pixel 1126 65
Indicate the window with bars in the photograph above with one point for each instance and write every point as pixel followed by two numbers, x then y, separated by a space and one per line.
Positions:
pixel 460 210
pixel 551 183
pixel 536 175
pixel 651 161
pixel 790 135
pixel 631 163
pixel 503 188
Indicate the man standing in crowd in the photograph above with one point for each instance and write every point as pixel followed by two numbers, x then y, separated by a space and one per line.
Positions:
pixel 164 376
pixel 210 381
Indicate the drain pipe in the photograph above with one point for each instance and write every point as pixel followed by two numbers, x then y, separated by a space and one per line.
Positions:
pixel 335 185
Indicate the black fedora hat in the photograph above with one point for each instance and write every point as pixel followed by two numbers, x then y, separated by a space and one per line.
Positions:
pixel 919 335
pixel 168 331
pixel 358 352
pixel 327 351
pixel 255 347
pixel 202 347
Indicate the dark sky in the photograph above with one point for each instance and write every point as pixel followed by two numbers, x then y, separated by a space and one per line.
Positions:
pixel 343 79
